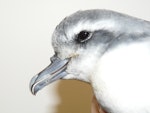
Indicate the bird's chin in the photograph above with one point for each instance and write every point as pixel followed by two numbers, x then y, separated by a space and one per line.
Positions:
pixel 75 75
pixel 69 76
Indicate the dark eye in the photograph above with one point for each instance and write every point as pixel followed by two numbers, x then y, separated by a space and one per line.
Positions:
pixel 83 36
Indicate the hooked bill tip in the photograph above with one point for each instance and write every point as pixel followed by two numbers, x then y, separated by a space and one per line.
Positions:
pixel 31 85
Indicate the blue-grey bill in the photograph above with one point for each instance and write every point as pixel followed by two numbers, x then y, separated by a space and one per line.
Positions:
pixel 53 72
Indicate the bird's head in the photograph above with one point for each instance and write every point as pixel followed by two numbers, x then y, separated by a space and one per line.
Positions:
pixel 78 41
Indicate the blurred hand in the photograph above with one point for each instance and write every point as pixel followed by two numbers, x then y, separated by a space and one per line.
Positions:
pixel 95 107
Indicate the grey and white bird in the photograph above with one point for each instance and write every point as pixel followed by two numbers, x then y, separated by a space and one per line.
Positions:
pixel 107 49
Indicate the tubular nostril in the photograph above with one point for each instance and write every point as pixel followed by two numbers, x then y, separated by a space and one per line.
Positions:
pixel 54 58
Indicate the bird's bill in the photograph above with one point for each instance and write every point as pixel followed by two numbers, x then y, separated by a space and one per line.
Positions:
pixel 53 72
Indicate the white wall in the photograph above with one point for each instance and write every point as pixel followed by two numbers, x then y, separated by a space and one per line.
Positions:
pixel 25 48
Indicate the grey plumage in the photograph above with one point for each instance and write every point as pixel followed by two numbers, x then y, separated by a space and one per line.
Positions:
pixel 109 50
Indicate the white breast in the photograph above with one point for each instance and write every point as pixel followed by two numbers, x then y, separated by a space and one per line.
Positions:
pixel 122 79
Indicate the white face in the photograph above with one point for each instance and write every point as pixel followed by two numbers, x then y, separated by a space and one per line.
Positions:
pixel 82 65
pixel 84 42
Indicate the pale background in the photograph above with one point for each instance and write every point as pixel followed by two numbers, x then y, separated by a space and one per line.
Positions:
pixel 25 48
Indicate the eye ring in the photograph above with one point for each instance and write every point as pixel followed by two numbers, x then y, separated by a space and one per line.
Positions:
pixel 83 36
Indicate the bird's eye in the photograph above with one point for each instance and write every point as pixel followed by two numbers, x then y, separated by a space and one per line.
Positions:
pixel 83 36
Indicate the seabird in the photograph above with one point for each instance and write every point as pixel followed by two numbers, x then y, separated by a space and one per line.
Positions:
pixel 107 49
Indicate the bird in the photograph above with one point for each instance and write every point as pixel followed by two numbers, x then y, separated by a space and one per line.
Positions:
pixel 107 49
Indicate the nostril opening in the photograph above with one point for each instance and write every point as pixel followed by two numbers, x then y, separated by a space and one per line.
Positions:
pixel 54 58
